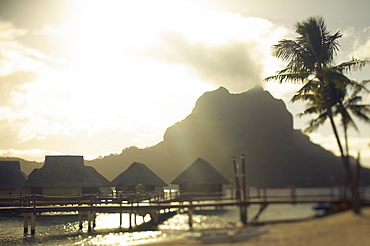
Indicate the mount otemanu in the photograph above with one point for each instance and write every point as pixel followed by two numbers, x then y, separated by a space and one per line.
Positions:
pixel 223 125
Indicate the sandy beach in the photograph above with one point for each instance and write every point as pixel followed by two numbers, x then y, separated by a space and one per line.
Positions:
pixel 339 229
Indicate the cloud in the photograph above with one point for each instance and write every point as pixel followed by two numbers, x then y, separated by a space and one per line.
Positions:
pixel 9 132
pixel 9 32
pixel 11 84
pixel 233 65
pixel 85 142
pixel 17 55
pixel 355 43
pixel 363 50
pixel 29 154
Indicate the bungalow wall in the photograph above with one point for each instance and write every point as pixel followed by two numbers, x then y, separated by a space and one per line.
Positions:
pixel 105 191
pixel 206 189
pixel 132 188
pixel 56 191
pixel 60 191
pixel 6 192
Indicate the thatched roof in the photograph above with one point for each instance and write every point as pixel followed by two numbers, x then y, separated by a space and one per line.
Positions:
pixel 200 172
pixel 101 178
pixel 63 171
pixel 11 176
pixel 138 173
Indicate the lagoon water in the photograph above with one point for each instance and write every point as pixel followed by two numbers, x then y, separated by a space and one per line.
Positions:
pixel 62 229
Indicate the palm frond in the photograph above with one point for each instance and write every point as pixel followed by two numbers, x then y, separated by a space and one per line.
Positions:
pixel 313 110
pixel 286 49
pixel 346 118
pixel 280 78
pixel 362 112
pixel 352 65
pixel 315 123
pixel 302 97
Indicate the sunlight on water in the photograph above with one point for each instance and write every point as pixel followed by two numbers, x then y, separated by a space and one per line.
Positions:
pixel 203 219
pixel 121 238
pixel 106 221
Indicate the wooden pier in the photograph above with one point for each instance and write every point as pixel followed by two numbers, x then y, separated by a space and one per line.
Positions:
pixel 156 206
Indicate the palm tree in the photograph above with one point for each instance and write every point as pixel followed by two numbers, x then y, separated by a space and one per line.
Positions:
pixel 351 107
pixel 310 60
pixel 345 106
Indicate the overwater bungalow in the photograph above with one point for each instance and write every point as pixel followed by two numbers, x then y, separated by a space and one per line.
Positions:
pixel 62 175
pixel 138 176
pixel 11 177
pixel 201 179
pixel 105 188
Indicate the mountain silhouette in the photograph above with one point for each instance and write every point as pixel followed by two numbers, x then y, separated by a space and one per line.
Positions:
pixel 223 125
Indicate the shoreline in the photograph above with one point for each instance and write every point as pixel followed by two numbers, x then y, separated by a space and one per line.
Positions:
pixel 339 229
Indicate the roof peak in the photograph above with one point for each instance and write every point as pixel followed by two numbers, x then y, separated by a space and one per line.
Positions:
pixel 201 172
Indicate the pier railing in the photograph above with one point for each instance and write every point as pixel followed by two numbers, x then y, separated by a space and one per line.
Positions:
pixel 157 203
pixel 254 196
pixel 78 199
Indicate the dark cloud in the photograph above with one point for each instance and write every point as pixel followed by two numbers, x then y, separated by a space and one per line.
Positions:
pixel 32 14
pixel 234 65
pixel 9 84
pixel 288 12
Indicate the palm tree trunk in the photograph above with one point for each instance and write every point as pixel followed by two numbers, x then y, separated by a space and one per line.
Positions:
pixel 345 161
pixel 348 181
pixel 346 137
pixel 347 169
pixel 354 181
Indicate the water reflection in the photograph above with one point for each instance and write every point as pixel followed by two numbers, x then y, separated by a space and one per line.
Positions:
pixel 121 238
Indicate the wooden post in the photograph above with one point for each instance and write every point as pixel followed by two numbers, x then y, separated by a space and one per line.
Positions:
pixel 90 213
pixel 293 195
pixel 264 194
pixel 33 224
pixel 80 215
pixel 244 184
pixel 34 203
pixel 244 215
pixel 33 216
pixel 91 200
pixel 94 219
pixel 190 214
pixel 131 211
pixel 190 209
pixel 88 220
pixel 155 217
pixel 135 217
pixel 120 210
pixel 138 197
pixel 237 195
pixel 25 223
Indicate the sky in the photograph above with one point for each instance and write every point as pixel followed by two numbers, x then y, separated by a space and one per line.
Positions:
pixel 92 77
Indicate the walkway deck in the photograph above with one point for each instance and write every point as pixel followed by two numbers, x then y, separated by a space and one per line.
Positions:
pixel 31 205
